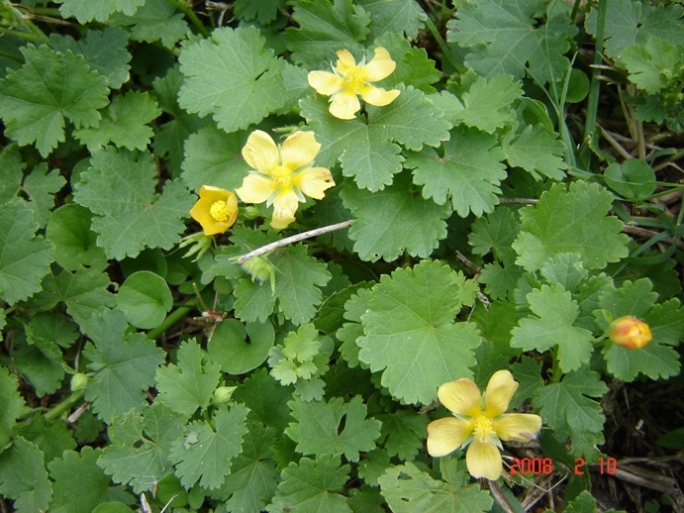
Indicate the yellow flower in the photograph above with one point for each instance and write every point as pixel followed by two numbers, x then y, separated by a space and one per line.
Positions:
pixel 216 209
pixel 630 332
pixel 480 422
pixel 282 175
pixel 350 80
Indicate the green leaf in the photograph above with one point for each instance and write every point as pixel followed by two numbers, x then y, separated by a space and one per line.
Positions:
pixel 401 17
pixel 232 77
pixel 214 157
pixel 123 364
pixel 312 486
pixel 537 151
pixel 79 471
pixel 75 244
pixel 632 179
pixel 239 348
pixel 266 399
pixel 39 361
pixel 413 64
pixel 145 298
pixel 172 135
pixel 651 66
pixel 369 149
pixel 119 186
pixel 13 172
pixel 566 270
pixel 632 298
pixel 488 104
pixel 325 27
pixel 49 88
pixel 509 37
pixel 88 10
pixel 654 361
pixel 333 428
pixel 394 221
pixel 411 335
pixel 495 232
pixel 84 293
pixel 555 313
pixel 104 51
pixel 468 173
pixel 41 187
pixel 253 477
pixel 629 23
pixel 24 257
pixel 51 438
pixel 264 11
pixel 11 405
pixel 190 384
pixel 205 451
pixel 154 20
pixel 137 454
pixel 667 322
pixel 408 489
pixel 124 124
pixel 403 432
pixel 565 406
pixel 571 221
pixel 23 477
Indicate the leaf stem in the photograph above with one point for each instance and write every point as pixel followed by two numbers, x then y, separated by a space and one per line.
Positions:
pixel 172 319
pixel 28 36
pixel 64 406
pixel 592 103
pixel 185 8
pixel 440 41
pixel 291 240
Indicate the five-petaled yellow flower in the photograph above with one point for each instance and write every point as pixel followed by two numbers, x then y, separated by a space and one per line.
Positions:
pixel 350 79
pixel 480 421
pixel 216 209
pixel 282 175
pixel 630 332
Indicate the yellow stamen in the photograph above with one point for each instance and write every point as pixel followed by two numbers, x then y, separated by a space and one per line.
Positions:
pixel 483 428
pixel 282 175
pixel 355 79
pixel 220 211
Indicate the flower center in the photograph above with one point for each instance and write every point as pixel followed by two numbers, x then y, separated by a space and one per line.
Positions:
pixel 282 175
pixel 355 79
pixel 220 211
pixel 483 428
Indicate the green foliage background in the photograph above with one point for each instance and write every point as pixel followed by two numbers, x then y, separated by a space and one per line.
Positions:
pixel 507 207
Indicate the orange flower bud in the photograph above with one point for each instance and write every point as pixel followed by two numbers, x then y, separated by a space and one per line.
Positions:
pixel 630 332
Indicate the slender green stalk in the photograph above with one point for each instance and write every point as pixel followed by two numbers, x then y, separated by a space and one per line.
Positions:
pixel 592 103
pixel 182 6
pixel 64 406
pixel 34 37
pixel 440 41
pixel 172 319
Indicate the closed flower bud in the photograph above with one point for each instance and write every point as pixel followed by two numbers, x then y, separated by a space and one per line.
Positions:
pixel 630 332
pixel 222 395
pixel 78 381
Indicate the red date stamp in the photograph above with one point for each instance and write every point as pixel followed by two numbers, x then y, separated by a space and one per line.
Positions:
pixel 537 466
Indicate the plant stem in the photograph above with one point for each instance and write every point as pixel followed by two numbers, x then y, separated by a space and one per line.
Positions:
pixel 592 103
pixel 64 406
pixel 172 319
pixel 440 41
pixel 33 37
pixel 291 240
pixel 182 6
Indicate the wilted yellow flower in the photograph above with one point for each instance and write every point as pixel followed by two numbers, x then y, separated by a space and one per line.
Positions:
pixel 350 79
pixel 480 421
pixel 282 175
pixel 630 332
pixel 216 210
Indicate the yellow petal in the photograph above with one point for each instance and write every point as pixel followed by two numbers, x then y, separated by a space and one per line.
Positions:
pixel 285 204
pixel 325 82
pixel 345 105
pixel 446 435
pixel 483 460
pixel 345 62
pixel 378 96
pixel 517 427
pixel 211 193
pixel 260 152
pixel 313 181
pixel 381 66
pixel 461 397
pixel 500 389
pixel 256 188
pixel 280 223
pixel 298 150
